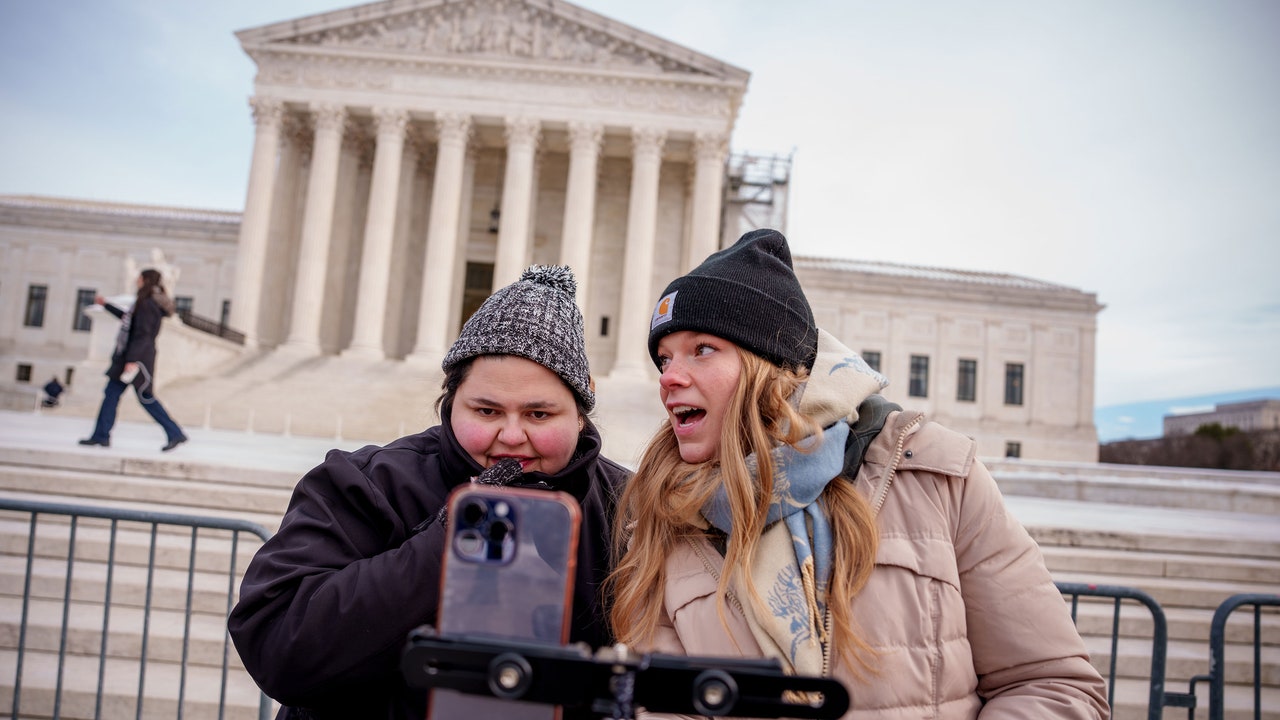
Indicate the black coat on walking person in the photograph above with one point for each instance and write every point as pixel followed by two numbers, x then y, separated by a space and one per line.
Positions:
pixel 136 342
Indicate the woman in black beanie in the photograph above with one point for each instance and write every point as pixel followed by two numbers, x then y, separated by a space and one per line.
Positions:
pixel 786 510
pixel 327 604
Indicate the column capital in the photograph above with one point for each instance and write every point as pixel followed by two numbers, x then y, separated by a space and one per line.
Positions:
pixel 712 146
pixel 522 130
pixel 453 128
pixel 390 120
pixel 329 116
pixel 648 140
pixel 267 111
pixel 586 136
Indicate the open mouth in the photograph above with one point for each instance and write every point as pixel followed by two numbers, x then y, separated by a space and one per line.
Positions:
pixel 687 415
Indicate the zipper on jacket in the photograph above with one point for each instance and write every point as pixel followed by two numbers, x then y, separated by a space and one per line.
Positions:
pixel 706 565
pixel 893 466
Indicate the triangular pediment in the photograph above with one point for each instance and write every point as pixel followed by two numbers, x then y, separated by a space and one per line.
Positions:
pixel 517 31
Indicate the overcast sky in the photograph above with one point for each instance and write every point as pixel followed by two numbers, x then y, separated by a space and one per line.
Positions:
pixel 1128 148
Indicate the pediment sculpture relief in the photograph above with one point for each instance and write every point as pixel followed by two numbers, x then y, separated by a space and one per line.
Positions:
pixel 508 29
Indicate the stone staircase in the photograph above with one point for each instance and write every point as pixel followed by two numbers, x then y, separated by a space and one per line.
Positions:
pixel 1188 565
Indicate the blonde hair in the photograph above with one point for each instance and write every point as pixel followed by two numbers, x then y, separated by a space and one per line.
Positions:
pixel 661 503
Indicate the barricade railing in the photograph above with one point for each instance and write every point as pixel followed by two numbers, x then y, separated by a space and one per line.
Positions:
pixel 52 537
pixel 1216 677
pixel 1158 698
pixel 79 555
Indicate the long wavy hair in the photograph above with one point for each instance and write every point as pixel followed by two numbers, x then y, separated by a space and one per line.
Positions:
pixel 661 504
pixel 151 283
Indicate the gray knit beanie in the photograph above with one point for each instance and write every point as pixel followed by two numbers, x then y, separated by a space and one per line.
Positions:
pixel 748 294
pixel 537 318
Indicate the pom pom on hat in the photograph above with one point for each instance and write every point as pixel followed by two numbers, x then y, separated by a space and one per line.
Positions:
pixel 748 294
pixel 536 318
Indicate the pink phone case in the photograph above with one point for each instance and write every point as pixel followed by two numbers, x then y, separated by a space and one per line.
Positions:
pixel 508 573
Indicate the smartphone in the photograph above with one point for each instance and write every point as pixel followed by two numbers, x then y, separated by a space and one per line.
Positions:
pixel 508 573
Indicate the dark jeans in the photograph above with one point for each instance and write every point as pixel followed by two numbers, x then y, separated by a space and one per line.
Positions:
pixel 150 403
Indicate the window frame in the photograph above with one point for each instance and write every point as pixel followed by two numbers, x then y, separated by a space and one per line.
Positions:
pixel 37 305
pixel 966 380
pixel 1015 383
pixel 918 378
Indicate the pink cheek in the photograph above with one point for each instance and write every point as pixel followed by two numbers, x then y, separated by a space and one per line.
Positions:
pixel 553 444
pixel 475 439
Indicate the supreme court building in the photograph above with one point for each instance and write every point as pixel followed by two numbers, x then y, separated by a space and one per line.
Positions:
pixel 411 156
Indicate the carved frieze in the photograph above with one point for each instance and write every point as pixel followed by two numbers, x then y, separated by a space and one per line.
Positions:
pixel 496 29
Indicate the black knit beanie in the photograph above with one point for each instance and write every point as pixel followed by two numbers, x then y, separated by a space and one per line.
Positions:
pixel 536 318
pixel 747 294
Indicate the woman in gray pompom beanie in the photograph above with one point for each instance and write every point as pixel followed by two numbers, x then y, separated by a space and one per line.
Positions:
pixel 327 603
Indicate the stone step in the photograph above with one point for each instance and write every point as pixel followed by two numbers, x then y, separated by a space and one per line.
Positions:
pixel 131 545
pixel 168 588
pixel 1184 660
pixel 1206 566
pixel 1172 592
pixel 266 522
pixel 175 495
pixel 1130 700
pixel 163 685
pixel 1232 493
pixel 207 640
pixel 106 462
pixel 1095 616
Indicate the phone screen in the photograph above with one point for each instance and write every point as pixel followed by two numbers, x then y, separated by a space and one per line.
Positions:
pixel 508 573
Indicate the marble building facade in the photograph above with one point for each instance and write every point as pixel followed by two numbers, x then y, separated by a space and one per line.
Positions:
pixel 409 157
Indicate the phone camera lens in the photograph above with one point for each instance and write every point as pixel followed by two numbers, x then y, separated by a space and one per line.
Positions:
pixel 499 530
pixel 473 512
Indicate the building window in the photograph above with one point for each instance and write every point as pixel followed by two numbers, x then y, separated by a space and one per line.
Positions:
pixel 919 385
pixel 24 373
pixel 225 319
pixel 36 295
pixel 604 326
pixel 873 359
pixel 1013 449
pixel 1013 380
pixel 967 381
pixel 182 305
pixel 84 298
pixel 70 371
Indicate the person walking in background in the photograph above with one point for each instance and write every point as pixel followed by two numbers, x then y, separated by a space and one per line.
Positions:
pixel 133 361
pixel 327 603
pixel 787 510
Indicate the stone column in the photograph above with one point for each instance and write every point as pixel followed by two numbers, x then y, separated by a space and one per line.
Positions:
pixel 317 226
pixel 442 239
pixel 379 232
pixel 246 298
pixel 517 199
pixel 637 273
pixel 709 150
pixel 580 202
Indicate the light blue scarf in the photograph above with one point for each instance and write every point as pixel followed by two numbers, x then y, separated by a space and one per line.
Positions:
pixel 800 475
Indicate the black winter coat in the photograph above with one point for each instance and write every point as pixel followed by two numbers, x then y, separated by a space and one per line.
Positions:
pixel 327 603
pixel 136 340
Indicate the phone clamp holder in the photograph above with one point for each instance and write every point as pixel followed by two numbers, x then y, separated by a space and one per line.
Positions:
pixel 613 681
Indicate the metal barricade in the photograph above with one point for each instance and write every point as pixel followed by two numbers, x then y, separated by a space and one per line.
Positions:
pixel 1216 677
pixel 108 602
pixel 1158 698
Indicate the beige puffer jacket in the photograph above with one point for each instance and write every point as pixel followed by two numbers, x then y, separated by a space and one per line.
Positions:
pixel 963 615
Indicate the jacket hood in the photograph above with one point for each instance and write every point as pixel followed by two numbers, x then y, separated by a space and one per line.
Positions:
pixel 839 382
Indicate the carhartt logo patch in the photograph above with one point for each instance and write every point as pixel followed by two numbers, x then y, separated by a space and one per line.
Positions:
pixel 662 313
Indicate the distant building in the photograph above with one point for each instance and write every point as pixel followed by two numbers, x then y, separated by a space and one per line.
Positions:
pixel 1246 416
pixel 411 156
